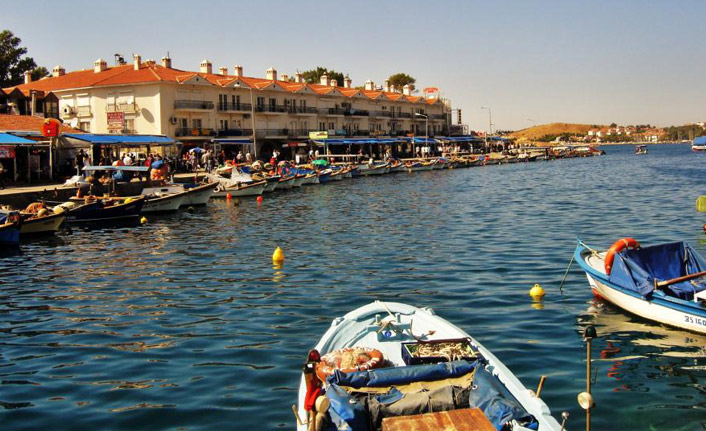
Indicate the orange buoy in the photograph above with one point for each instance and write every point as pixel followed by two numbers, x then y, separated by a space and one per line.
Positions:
pixel 617 247
pixel 229 196
pixel 259 199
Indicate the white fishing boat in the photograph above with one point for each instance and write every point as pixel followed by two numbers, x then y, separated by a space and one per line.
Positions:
pixel 298 180
pixel 253 188
pixel 377 168
pixel 286 182
pixel 641 149
pixel 40 224
pixel 311 178
pixel 659 283
pixel 390 362
pixel 162 199
pixel 699 144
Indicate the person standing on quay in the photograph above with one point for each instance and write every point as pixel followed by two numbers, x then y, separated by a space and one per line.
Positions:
pixel 2 176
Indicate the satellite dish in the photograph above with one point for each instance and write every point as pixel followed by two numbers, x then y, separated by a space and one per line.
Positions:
pixel 74 122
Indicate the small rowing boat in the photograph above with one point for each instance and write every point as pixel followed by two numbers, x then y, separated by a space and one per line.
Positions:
pixel 389 362
pixel 10 223
pixel 92 209
pixel 663 283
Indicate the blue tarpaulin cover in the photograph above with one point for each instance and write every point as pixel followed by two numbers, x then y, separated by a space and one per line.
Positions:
pixel 636 269
pixel 701 140
pixel 497 403
pixel 401 375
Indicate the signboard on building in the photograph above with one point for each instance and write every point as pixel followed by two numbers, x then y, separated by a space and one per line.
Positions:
pixel 116 121
pixel 7 152
pixel 318 135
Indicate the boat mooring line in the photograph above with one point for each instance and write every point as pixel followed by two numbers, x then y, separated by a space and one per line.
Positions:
pixel 561 285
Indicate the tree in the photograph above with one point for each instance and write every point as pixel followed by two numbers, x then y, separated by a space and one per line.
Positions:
pixel 314 76
pixel 13 62
pixel 613 125
pixel 39 73
pixel 399 80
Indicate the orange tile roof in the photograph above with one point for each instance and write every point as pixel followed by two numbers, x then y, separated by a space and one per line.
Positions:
pixel 28 123
pixel 126 74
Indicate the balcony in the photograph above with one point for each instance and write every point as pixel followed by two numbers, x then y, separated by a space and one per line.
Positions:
pixel 238 107
pixel 302 110
pixel 234 132
pixel 331 112
pixel 437 117
pixel 190 105
pixel 384 114
pixel 272 133
pixel 272 109
pixel 357 113
pixel 129 108
pixel 83 111
pixel 404 114
pixel 194 132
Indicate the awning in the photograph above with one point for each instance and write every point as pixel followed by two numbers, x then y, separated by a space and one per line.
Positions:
pixel 421 140
pixel 120 140
pixel 9 139
pixel 133 168
pixel 371 141
pixel 241 141
pixel 449 139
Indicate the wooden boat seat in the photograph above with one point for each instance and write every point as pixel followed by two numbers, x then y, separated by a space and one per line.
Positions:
pixel 471 419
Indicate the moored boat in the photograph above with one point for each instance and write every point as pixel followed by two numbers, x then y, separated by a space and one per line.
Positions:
pixel 699 144
pixel 659 283
pixel 388 362
pixel 10 223
pixel 253 188
pixel 41 224
pixel 162 199
pixel 641 149
pixel 93 209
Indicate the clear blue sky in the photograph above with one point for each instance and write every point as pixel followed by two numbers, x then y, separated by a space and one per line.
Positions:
pixel 595 62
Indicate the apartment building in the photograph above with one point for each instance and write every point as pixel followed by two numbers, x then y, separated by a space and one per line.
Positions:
pixel 197 107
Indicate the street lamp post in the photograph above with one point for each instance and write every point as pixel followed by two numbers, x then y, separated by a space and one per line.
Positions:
pixel 252 120
pixel 426 121
pixel 490 125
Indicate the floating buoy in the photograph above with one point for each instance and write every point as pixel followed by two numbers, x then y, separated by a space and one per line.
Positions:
pixel 278 256
pixel 191 210
pixel 536 292
pixel 229 196
pixel 259 199
pixel 143 220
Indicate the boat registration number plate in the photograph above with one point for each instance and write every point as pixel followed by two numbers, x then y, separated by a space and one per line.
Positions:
pixel 694 320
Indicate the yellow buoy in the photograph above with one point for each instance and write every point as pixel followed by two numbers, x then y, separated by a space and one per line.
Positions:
pixel 536 291
pixel 143 220
pixel 278 256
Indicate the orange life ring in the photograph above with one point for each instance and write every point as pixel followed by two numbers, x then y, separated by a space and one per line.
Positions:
pixel 349 360
pixel 617 247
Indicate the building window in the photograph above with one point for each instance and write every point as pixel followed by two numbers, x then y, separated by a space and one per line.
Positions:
pixel 236 102
pixel 130 125
pixel 184 123
pixel 273 103
pixel 322 126
pixel 332 126
pixel 85 126
pixel 260 103
pixel 196 123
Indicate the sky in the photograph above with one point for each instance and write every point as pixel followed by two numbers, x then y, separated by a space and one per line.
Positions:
pixel 529 61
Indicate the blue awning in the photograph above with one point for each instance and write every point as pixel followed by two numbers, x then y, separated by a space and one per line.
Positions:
pixel 459 139
pixel 124 140
pixel 9 139
pixel 421 140
pixel 371 141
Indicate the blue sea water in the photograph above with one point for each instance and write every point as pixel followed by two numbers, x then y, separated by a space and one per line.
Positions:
pixel 184 324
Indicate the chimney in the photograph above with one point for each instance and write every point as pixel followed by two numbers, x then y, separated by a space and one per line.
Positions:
pixel 299 78
pixel 284 77
pixel 150 62
pixel 167 62
pixel 223 70
pixel 238 71
pixel 334 83
pixel 58 71
pixel 99 65
pixel 137 61
pixel 347 82
pixel 28 77
pixel 206 67
pixel 369 85
pixel 386 86
pixel 324 79
pixel 407 90
pixel 271 74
